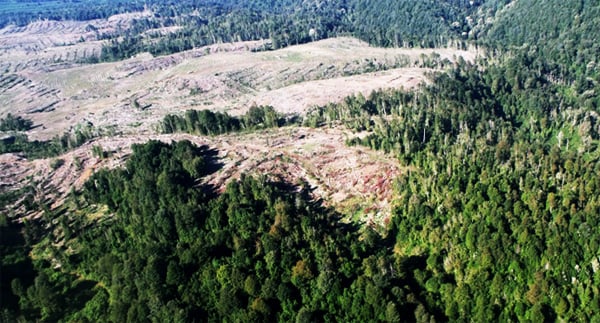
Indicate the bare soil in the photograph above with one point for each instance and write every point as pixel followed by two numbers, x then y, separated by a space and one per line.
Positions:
pixel 42 78
pixel 354 180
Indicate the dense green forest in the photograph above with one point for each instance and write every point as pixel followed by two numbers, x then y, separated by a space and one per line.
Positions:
pixel 504 201
pixel 497 218
pixel 206 122
pixel 173 250
pixel 563 35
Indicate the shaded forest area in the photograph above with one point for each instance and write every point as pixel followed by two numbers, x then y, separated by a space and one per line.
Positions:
pixel 173 250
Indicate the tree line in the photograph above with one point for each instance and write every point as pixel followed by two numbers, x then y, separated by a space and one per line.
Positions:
pixel 206 122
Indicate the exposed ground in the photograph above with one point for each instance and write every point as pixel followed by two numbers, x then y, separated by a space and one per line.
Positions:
pixel 42 78
pixel 354 180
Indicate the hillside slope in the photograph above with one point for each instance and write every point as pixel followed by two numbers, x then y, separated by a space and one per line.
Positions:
pixel 467 194
pixel 132 95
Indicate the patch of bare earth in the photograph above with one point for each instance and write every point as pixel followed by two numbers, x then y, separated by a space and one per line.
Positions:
pixel 42 77
pixel 351 179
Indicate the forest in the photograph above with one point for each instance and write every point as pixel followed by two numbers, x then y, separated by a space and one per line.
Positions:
pixel 497 218
pixel 15 141
pixel 206 122
pixel 260 251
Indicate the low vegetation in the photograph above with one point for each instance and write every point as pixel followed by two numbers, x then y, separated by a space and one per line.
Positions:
pixel 15 123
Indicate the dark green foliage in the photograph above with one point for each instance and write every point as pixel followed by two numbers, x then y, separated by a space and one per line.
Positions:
pixel 259 251
pixel 15 267
pixel 19 143
pixel 504 189
pixel 561 38
pixel 57 163
pixel 15 123
pixel 206 122
pixel 203 122
pixel 256 252
pixel 33 149
pixel 406 23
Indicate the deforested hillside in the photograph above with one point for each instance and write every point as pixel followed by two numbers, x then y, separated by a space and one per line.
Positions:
pixel 180 26
pixel 217 161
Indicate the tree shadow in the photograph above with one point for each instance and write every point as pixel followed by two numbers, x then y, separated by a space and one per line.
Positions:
pixel 212 164
pixel 330 218
pixel 81 292
pixel 14 264
pixel 211 158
